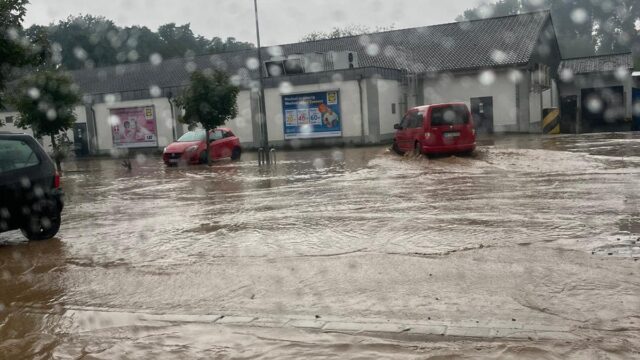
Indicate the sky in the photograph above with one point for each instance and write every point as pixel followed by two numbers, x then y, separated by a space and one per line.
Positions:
pixel 281 21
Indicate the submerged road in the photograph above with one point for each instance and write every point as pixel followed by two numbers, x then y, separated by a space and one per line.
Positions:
pixel 529 233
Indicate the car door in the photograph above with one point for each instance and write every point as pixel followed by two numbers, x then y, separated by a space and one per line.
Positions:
pixel 216 144
pixel 404 134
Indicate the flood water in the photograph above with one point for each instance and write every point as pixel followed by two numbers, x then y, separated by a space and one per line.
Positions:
pixel 538 230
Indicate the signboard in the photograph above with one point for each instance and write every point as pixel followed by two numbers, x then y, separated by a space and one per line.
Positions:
pixel 312 115
pixel 134 127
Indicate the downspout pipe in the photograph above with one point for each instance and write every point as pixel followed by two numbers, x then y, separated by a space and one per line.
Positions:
pixel 362 138
pixel 173 117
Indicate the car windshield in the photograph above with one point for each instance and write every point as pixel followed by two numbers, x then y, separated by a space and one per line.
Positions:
pixel 192 136
pixel 382 179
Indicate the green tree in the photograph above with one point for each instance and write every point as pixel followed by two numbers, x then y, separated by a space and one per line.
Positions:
pixel 88 41
pixel 209 101
pixel 583 27
pixel 15 49
pixel 349 30
pixel 45 101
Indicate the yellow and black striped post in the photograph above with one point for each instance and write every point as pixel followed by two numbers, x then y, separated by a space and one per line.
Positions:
pixel 551 121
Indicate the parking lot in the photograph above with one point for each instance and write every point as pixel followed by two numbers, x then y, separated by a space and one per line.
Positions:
pixel 530 232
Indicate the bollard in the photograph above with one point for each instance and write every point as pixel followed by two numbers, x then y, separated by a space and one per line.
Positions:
pixel 261 157
pixel 551 121
pixel 272 155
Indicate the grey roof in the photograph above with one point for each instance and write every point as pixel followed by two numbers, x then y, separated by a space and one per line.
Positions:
pixel 600 63
pixel 508 40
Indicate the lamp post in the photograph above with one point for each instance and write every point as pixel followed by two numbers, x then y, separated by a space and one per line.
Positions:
pixel 262 119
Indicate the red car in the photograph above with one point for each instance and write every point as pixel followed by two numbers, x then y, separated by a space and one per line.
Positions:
pixel 436 129
pixel 190 147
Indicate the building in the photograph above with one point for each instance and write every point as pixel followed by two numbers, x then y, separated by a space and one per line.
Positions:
pixel 596 93
pixel 504 69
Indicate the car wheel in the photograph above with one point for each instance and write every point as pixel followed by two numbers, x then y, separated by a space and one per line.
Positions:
pixel 236 153
pixel 203 157
pixel 41 228
pixel 417 152
pixel 396 149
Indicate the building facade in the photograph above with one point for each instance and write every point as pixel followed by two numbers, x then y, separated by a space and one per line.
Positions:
pixel 349 90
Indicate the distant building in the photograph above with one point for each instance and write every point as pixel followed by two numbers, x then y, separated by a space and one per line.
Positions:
pixel 504 68
pixel 596 93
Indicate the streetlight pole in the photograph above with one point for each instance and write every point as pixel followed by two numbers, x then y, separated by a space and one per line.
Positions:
pixel 262 119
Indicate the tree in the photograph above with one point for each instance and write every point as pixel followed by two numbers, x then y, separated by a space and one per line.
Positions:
pixel 88 41
pixel 208 101
pixel 45 101
pixel 583 27
pixel 15 49
pixel 349 30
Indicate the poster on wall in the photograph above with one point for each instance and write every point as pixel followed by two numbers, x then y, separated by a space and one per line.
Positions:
pixel 134 127
pixel 312 115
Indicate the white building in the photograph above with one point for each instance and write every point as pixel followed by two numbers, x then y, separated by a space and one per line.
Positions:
pixel 504 68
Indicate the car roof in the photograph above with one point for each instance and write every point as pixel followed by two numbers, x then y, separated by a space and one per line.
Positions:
pixel 425 107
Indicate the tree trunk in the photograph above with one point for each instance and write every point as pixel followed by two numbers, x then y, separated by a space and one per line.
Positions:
pixel 206 141
pixel 56 155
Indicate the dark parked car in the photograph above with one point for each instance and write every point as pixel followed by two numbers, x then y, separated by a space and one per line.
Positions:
pixel 30 194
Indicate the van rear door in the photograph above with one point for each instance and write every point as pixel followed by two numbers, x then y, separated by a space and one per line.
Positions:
pixel 450 124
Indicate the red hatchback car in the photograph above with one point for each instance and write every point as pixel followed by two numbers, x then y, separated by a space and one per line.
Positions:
pixel 436 129
pixel 190 147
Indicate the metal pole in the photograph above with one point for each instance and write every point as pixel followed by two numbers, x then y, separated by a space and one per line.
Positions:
pixel 264 141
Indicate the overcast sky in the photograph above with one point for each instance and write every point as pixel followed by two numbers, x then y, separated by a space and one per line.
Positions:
pixel 281 21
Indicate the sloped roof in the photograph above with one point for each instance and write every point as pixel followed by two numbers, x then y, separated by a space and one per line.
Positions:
pixel 507 40
pixel 600 63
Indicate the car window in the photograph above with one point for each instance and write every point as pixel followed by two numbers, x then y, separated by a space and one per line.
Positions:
pixel 216 135
pixel 192 136
pixel 16 154
pixel 406 120
pixel 416 120
pixel 449 115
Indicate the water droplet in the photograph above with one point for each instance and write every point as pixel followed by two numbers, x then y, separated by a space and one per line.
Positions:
pixel 515 76
pixel 579 15
pixel 155 59
pixel 34 93
pixel 318 163
pixel 155 91
pixel 52 114
pixel 498 56
pixel 141 159
pixel 566 75
pixel 79 53
pixel 594 105
pixel 110 99
pixel 190 66
pixel 373 49
pixel 487 77
pixel 285 87
pixel 275 51
pixel 622 73
pixel 252 63
pixel 114 120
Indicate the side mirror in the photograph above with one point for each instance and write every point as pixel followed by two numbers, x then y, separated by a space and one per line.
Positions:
pixel 397 126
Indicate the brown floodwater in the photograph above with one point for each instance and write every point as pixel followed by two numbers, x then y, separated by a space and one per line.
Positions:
pixel 542 230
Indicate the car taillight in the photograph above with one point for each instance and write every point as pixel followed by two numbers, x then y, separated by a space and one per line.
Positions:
pixel 56 180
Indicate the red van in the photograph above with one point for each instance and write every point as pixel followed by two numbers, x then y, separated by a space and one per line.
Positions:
pixel 436 129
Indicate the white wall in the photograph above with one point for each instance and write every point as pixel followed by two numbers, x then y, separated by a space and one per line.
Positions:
pixel 450 88
pixel 388 93
pixel 164 122
pixel 79 111
pixel 349 107
pixel 241 125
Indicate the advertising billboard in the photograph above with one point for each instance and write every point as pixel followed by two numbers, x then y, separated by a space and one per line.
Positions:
pixel 312 115
pixel 134 127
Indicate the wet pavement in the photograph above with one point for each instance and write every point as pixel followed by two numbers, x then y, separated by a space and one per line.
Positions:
pixel 530 231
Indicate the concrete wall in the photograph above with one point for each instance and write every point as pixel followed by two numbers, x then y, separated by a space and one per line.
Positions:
pixel 79 111
pixel 352 120
pixel 453 87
